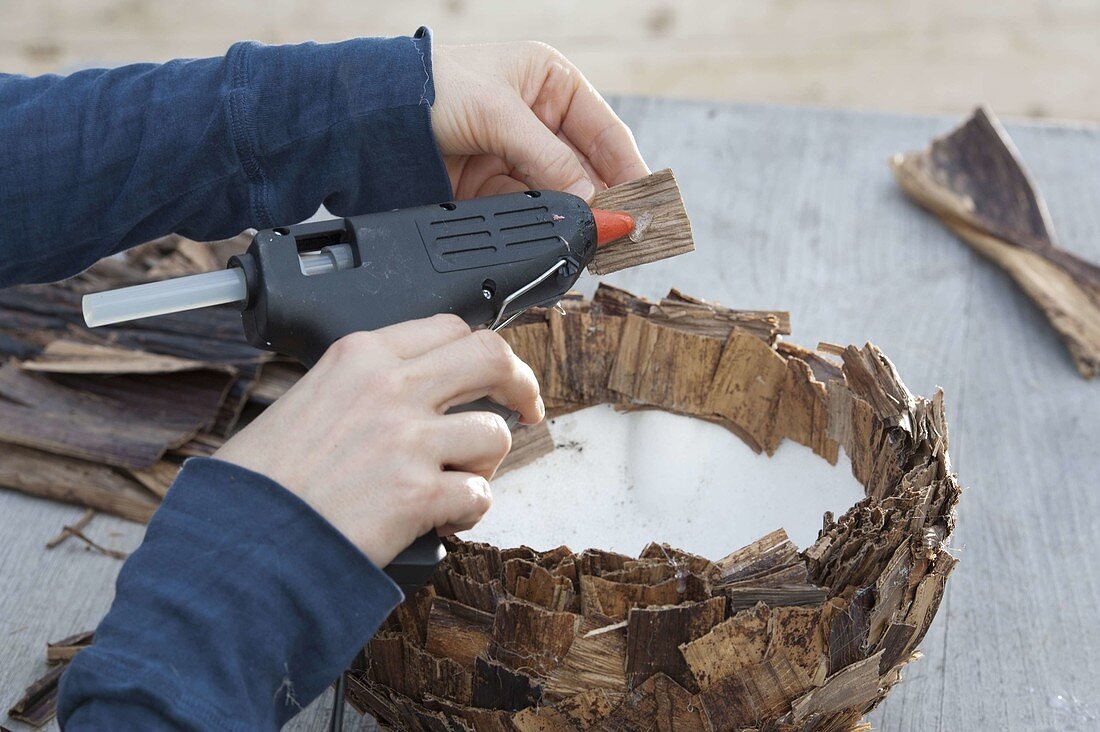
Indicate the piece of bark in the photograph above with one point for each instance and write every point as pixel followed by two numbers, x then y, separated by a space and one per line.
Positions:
pixel 693 315
pixel 657 364
pixel 65 533
pixel 582 348
pixel 768 555
pixel 529 443
pixel 611 300
pixel 498 687
pixel 857 686
pixel 38 704
pixel 529 342
pixel 595 660
pixel 462 717
pixel 680 560
pixel 848 632
pixel 658 704
pixel 530 638
pixel 66 648
pixel 275 379
pixel 803 414
pixel 397 663
pixel 158 477
pixel 528 581
pixel 794 595
pixel 654 636
pixel 746 388
pixel 756 694
pixel 661 225
pixel 615 600
pixel 581 711
pixel 729 646
pixel 64 356
pixel 75 481
pixel 797 633
pixel 974 181
pixel 146 413
pixel 458 632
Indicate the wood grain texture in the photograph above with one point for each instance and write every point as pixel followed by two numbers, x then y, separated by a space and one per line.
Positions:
pixel 794 208
pixel 661 225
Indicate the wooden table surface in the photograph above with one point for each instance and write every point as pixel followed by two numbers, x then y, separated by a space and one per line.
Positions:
pixel 796 209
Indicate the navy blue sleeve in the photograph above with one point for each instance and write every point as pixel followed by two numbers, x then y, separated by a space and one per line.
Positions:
pixel 240 607
pixel 104 159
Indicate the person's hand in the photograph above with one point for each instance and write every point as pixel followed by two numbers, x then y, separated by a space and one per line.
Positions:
pixel 363 438
pixel 513 116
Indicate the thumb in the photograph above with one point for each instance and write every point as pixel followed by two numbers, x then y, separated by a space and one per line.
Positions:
pixel 537 156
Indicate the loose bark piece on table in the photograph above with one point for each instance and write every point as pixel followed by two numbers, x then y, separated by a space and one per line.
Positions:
pixel 71 480
pixel 67 648
pixel 974 181
pixel 38 705
pixel 74 422
pixel 64 356
pixel 157 477
pixel 79 524
pixel 661 225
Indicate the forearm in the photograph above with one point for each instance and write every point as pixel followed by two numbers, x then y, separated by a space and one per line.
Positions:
pixel 239 608
pixel 107 158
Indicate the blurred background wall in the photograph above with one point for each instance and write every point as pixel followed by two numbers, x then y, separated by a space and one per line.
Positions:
pixel 1035 58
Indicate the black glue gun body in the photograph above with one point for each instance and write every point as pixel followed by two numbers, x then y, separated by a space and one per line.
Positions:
pixel 485 260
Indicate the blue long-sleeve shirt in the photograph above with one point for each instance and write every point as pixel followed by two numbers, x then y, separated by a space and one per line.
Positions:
pixel 242 604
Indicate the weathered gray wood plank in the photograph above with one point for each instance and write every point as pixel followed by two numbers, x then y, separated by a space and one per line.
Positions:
pixel 796 209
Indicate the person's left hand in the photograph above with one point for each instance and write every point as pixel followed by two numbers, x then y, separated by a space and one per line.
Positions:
pixel 513 116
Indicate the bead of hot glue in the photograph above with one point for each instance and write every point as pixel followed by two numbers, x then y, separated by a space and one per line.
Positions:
pixel 611 225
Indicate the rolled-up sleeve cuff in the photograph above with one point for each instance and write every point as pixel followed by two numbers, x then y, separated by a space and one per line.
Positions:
pixel 351 120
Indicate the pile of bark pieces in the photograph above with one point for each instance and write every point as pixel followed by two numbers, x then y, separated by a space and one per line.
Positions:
pixel 766 638
pixel 103 417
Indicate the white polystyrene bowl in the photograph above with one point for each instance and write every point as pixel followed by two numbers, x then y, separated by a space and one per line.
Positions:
pixel 618 481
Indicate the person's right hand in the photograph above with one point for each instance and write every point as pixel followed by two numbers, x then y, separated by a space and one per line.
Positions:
pixel 364 440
